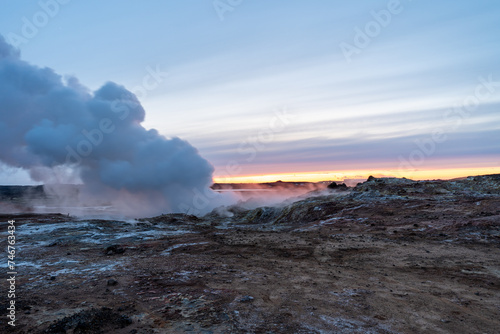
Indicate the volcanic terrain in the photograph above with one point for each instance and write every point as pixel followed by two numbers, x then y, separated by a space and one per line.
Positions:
pixel 387 256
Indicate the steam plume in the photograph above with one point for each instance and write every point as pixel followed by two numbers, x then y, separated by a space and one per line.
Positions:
pixel 58 131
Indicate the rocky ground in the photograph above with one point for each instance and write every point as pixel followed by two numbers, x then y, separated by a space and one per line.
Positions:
pixel 388 256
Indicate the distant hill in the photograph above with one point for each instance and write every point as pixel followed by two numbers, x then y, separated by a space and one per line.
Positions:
pixel 13 193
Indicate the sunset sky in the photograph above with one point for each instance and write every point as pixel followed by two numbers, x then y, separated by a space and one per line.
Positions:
pixel 290 90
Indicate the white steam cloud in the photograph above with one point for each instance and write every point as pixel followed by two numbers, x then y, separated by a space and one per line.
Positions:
pixel 57 129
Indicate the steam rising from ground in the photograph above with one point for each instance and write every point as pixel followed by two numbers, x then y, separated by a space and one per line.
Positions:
pixel 251 196
pixel 60 132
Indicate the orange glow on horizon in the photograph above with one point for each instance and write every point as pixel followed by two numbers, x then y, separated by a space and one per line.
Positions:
pixel 445 174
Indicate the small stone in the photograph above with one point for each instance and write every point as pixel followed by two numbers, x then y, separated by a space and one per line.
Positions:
pixel 246 299
pixel 114 249
pixel 112 282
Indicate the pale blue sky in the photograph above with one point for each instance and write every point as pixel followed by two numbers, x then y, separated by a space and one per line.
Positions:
pixel 227 78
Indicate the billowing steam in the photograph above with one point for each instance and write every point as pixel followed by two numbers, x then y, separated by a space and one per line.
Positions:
pixel 60 132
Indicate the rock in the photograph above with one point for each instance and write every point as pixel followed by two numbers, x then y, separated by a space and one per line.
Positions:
pixel 335 186
pixel 90 321
pixel 112 282
pixel 246 299
pixel 114 249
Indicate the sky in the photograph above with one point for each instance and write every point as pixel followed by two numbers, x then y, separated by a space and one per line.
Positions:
pixel 289 90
